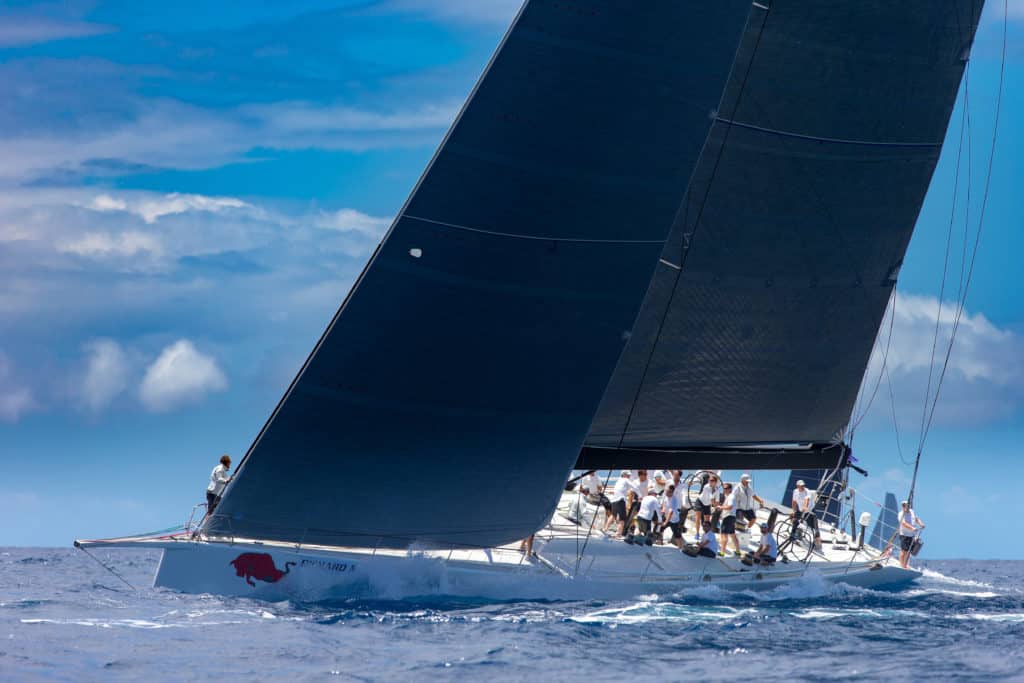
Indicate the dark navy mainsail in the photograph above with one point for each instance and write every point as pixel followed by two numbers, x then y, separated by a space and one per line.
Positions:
pixel 449 397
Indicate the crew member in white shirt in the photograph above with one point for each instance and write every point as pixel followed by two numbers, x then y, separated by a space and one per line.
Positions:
pixel 592 488
pixel 659 481
pixel 219 478
pixel 618 502
pixel 703 504
pixel 671 503
pixel 910 525
pixel 728 509
pixel 648 517
pixel 803 511
pixel 708 546
pixel 768 551
pixel 745 501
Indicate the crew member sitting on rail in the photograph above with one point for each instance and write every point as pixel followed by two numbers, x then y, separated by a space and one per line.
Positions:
pixel 769 548
pixel 671 503
pixel 803 511
pixel 618 501
pixel 708 546
pixel 910 524
pixel 648 517
pixel 219 478
pixel 728 511
pixel 745 499
pixel 593 489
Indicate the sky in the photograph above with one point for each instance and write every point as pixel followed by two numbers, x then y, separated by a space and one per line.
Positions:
pixel 188 190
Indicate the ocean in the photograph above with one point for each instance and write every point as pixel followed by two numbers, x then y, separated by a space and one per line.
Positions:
pixel 64 618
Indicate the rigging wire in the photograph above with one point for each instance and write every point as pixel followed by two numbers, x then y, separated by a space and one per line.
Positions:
pixel 926 427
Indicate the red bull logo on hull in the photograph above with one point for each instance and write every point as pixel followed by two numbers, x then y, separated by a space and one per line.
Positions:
pixel 259 566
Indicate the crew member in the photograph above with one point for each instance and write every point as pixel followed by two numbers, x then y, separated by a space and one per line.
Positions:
pixel 910 525
pixel 745 500
pixel 728 511
pixel 219 478
pixel 592 488
pixel 670 507
pixel 708 546
pixel 768 551
pixel 648 516
pixel 703 506
pixel 803 511
pixel 618 502
pixel 682 498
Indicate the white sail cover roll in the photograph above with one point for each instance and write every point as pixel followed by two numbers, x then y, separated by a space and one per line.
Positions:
pixel 760 320
pixel 448 399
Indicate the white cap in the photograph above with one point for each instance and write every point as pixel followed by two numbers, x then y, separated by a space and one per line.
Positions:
pixel 659 475
pixel 744 477
pixel 625 473
pixel 906 502
pixel 800 482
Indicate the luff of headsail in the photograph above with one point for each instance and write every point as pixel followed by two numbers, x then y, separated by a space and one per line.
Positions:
pixel 449 397
pixel 759 322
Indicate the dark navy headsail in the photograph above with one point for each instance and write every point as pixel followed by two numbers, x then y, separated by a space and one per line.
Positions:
pixel 759 322
pixel 448 399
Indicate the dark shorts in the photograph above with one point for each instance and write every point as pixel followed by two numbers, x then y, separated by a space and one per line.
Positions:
pixel 698 506
pixel 619 509
pixel 645 526
pixel 211 502
pixel 677 532
pixel 906 543
pixel 706 552
pixel 749 515
pixel 729 525
pixel 809 519
pixel 599 499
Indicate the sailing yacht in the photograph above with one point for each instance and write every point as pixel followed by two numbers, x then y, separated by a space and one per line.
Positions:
pixel 657 234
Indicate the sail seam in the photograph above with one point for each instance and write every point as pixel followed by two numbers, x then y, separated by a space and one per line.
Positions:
pixel 456 226
pixel 817 138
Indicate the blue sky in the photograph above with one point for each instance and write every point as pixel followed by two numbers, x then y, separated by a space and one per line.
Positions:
pixel 187 191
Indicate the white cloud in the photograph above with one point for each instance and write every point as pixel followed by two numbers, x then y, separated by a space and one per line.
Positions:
pixel 15 399
pixel 106 374
pixel 151 208
pixel 19 31
pixel 180 375
pixel 984 381
pixel 350 220
pixel 101 244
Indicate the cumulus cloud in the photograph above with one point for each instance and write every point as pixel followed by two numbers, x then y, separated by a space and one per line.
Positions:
pixel 106 374
pixel 984 381
pixel 180 375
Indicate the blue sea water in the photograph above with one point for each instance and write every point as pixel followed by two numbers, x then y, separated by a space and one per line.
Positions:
pixel 64 618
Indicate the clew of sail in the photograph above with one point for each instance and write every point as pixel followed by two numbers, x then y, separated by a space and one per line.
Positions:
pixel 449 397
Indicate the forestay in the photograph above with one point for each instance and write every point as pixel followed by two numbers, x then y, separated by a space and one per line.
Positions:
pixel 449 397
pixel 759 322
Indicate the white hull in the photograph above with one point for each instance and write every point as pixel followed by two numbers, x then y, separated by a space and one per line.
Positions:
pixel 612 570
pixel 566 566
